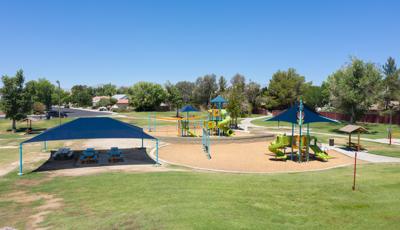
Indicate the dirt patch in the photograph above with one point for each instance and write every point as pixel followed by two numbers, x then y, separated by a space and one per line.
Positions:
pixel 51 203
pixel 243 157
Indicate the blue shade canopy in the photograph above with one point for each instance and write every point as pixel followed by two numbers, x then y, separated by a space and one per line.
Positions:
pixel 91 128
pixel 218 99
pixel 188 108
pixel 290 115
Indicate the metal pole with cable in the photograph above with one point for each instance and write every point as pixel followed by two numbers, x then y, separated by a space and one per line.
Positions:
pixel 59 101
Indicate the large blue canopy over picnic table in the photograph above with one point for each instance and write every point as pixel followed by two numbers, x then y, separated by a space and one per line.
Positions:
pixel 90 128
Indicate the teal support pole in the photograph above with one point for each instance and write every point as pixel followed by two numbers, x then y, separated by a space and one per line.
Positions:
pixel 142 142
pixel 308 141
pixel 20 160
pixel 155 122
pixel 45 146
pixel 300 121
pixel 292 139
pixel 157 152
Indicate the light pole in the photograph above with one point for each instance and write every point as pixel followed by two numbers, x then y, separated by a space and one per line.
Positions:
pixel 59 101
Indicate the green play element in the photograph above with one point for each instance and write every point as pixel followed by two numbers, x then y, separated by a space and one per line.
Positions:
pixel 282 141
pixel 224 126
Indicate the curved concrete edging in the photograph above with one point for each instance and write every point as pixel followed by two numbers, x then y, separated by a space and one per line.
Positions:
pixel 152 151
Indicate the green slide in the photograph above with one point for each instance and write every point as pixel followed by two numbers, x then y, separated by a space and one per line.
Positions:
pixel 224 124
pixel 319 154
pixel 280 142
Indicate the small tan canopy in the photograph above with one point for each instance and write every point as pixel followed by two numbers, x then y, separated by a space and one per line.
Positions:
pixel 354 129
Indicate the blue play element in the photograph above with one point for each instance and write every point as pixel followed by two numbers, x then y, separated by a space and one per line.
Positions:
pixel 308 116
pixel 91 128
pixel 218 100
pixel 188 108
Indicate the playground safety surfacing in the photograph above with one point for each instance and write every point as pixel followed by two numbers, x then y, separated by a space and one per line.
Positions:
pixel 251 157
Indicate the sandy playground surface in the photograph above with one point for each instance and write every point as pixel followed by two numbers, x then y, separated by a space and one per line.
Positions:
pixel 243 157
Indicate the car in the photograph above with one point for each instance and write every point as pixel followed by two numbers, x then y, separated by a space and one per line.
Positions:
pixel 103 109
pixel 53 113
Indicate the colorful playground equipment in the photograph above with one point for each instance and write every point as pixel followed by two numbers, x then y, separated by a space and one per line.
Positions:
pixel 300 115
pixel 278 147
pixel 218 119
pixel 187 125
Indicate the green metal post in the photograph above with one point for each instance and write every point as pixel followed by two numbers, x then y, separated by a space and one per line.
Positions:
pixel 308 141
pixel 300 121
pixel 45 146
pixel 291 153
pixel 20 160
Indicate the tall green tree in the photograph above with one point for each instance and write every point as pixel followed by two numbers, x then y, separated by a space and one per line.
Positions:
pixel 355 87
pixel 41 91
pixel 206 89
pixel 253 92
pixel 222 85
pixel 391 82
pixel 15 101
pixel 173 97
pixel 81 95
pixel 315 96
pixel 285 88
pixel 146 96
pixel 186 90
pixel 106 90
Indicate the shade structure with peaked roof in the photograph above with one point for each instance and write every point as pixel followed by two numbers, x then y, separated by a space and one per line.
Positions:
pixel 188 108
pixel 300 114
pixel 290 115
pixel 219 99
pixel 90 128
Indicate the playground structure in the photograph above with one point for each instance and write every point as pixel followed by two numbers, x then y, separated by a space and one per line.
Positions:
pixel 300 115
pixel 218 121
pixel 278 147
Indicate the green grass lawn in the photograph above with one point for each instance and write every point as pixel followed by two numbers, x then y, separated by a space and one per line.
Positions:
pixel 189 200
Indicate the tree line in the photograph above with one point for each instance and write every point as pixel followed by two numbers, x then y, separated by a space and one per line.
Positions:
pixel 352 90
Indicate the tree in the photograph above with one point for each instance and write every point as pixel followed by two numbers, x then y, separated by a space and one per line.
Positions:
pixel 106 90
pixel 106 102
pixel 236 103
pixel 391 82
pixel 44 92
pixel 206 88
pixel 146 96
pixel 253 92
pixel 314 96
pixel 15 101
pixel 81 95
pixel 38 108
pixel 239 81
pixel 173 97
pixel 123 90
pixel 186 89
pixel 285 88
pixel 355 87
pixel 222 85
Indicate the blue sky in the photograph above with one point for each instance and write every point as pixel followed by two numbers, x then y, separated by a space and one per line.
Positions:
pixel 122 42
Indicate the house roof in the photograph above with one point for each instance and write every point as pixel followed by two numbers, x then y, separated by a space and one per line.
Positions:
pixel 123 101
pixel 120 96
pixel 91 128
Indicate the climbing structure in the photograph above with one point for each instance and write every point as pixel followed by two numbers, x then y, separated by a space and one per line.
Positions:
pixel 218 121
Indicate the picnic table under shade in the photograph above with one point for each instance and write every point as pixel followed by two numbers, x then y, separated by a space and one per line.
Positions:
pixel 354 129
